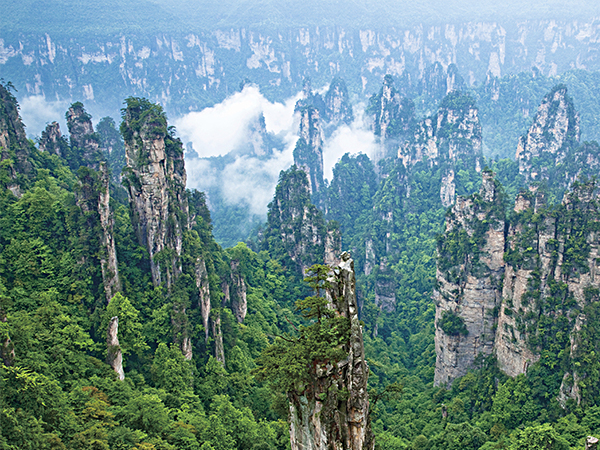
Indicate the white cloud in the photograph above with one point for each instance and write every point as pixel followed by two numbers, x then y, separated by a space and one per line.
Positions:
pixel 37 112
pixel 356 138
pixel 225 128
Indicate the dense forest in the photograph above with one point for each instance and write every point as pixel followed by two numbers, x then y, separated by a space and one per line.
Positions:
pixel 468 298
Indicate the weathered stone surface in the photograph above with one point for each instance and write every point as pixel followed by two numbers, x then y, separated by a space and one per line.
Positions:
pixel 308 154
pixel 203 294
pixel 115 356
pixel 84 143
pixel 591 443
pixel 156 180
pixel 554 131
pixel 320 419
pixel 294 222
pixel 13 141
pixel 218 337
pixel 235 292
pixel 469 289
pixel 452 134
pixel 52 140
pixel 448 189
pixel 338 109
pixel 108 258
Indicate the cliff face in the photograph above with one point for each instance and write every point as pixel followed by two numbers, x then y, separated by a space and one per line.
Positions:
pixel 296 230
pixel 13 142
pixel 155 178
pixel 452 134
pixel 278 58
pixel 553 133
pixel 84 142
pixel 338 109
pixel 333 410
pixel 83 150
pixel 53 142
pixel 551 151
pixel 392 116
pixel 518 287
pixel 115 355
pixel 308 154
pixel 470 270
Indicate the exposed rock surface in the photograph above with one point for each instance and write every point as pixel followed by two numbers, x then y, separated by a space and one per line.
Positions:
pixel 504 284
pixel 393 117
pixel 13 141
pixel 115 356
pixel 235 292
pixel 155 178
pixel 53 142
pixel 338 109
pixel 296 230
pixel 308 154
pixel 320 418
pixel 108 255
pixel 84 142
pixel 452 134
pixel 84 150
pixel 554 131
pixel 467 293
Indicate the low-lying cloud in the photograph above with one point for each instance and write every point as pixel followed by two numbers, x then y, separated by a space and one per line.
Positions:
pixel 226 129
pixel 36 112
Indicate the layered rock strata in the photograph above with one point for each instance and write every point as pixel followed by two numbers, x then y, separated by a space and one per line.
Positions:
pixel 553 132
pixel 155 178
pixel 14 148
pixel 115 356
pixel 296 231
pixel 470 270
pixel 321 418
pixel 308 153
pixel 84 150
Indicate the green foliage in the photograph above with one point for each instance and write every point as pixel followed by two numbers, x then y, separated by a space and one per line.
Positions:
pixel 452 324
pixel 289 362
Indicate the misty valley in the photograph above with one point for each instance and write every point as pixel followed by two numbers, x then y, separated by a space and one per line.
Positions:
pixel 288 227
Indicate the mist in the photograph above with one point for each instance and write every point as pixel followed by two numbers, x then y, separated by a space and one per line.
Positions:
pixel 225 163
pixel 37 112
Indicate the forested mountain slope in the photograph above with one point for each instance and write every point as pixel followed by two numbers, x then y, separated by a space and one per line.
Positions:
pixel 125 325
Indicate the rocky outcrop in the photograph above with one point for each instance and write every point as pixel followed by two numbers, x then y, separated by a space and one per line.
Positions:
pixel 155 178
pixel 84 142
pixel 296 231
pixel 15 150
pixel 453 134
pixel 108 252
pixel 115 356
pixel 470 271
pixel 551 136
pixel 308 153
pixel 218 336
pixel 392 116
pixel 94 197
pixel 438 82
pixel 235 292
pixel 515 288
pixel 333 410
pixel 53 142
pixel 112 147
pixel 338 109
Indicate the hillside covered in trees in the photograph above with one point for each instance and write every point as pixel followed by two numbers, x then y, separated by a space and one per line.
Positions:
pixel 462 316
